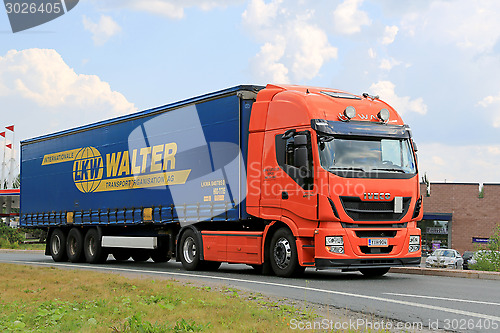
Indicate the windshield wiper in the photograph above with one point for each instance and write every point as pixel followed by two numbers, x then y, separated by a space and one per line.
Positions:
pixel 388 169
pixel 347 168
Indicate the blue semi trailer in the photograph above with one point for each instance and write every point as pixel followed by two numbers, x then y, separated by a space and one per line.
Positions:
pixel 126 186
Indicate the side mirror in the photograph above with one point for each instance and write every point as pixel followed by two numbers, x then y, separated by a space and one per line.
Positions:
pixel 301 158
pixel 414 146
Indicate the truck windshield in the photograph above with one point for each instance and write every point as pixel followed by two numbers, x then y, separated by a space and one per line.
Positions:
pixel 367 155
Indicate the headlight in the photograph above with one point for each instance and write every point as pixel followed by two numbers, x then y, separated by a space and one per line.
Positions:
pixel 334 241
pixel 415 240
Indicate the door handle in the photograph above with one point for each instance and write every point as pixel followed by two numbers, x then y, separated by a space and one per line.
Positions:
pixel 284 195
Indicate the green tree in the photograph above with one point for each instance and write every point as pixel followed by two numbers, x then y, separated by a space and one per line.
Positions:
pixel 489 257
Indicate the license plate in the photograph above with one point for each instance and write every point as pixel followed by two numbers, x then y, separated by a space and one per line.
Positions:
pixel 378 242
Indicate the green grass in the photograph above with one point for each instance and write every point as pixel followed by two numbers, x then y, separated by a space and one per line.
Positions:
pixel 34 299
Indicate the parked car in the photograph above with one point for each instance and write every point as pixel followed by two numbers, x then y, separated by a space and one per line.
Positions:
pixel 466 257
pixel 484 254
pixel 445 258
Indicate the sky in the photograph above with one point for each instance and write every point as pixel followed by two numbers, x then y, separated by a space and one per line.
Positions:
pixel 437 62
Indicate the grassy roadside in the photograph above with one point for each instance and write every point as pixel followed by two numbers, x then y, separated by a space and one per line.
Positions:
pixel 50 299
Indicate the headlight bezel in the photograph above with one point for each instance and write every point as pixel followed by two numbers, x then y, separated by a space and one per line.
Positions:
pixel 334 241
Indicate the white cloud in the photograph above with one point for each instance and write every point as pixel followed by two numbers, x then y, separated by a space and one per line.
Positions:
pixel 388 64
pixel 469 25
pixel 266 63
pixel 293 47
pixel 172 9
pixel 260 13
pixel 371 53
pixel 492 103
pixel 386 91
pixel 103 30
pixel 310 50
pixel 47 95
pixel 389 34
pixel 471 163
pixel 348 19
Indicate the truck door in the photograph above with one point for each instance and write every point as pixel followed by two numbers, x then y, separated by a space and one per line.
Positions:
pixel 294 156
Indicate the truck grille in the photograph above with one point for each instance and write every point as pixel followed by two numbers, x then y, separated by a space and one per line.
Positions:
pixel 376 233
pixel 360 210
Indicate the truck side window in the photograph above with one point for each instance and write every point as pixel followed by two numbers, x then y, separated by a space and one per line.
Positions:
pixel 287 156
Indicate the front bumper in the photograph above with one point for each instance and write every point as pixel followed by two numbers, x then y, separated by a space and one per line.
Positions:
pixel 366 263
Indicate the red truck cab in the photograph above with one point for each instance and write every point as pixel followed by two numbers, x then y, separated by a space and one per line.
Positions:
pixel 335 174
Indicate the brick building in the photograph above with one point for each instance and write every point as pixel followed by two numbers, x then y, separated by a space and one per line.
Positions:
pixel 455 216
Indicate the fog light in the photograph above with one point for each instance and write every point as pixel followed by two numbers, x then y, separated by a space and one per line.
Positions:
pixel 334 240
pixel 335 249
pixel 413 248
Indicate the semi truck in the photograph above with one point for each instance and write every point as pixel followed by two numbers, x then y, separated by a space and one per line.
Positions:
pixel 281 178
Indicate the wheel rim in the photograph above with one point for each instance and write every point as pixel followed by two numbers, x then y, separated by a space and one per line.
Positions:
pixel 56 244
pixel 282 253
pixel 91 246
pixel 189 250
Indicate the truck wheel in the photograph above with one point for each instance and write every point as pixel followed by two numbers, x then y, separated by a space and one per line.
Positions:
pixel 283 252
pixel 57 245
pixel 141 256
pixel 74 245
pixel 373 272
pixel 190 251
pixel 94 252
pixel 121 255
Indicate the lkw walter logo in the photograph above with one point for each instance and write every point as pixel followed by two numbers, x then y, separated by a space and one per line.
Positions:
pixel 26 14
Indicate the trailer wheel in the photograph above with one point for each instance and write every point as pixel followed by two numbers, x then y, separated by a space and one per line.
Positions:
pixel 374 272
pixel 94 252
pixel 57 245
pixel 283 252
pixel 141 256
pixel 74 245
pixel 160 255
pixel 190 251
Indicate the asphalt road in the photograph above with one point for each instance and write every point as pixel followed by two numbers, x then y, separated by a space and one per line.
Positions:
pixel 452 304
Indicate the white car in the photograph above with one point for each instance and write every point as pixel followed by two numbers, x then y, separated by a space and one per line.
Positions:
pixel 445 258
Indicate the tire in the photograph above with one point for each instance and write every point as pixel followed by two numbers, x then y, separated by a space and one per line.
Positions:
pixel 94 252
pixel 74 245
pixel 189 251
pixel 57 246
pixel 283 254
pixel 141 256
pixel 374 272
pixel 121 255
pixel 160 255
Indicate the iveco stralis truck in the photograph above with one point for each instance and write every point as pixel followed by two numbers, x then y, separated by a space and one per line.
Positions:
pixel 280 177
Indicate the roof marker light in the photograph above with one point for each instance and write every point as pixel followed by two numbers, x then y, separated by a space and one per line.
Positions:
pixel 383 115
pixel 350 112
